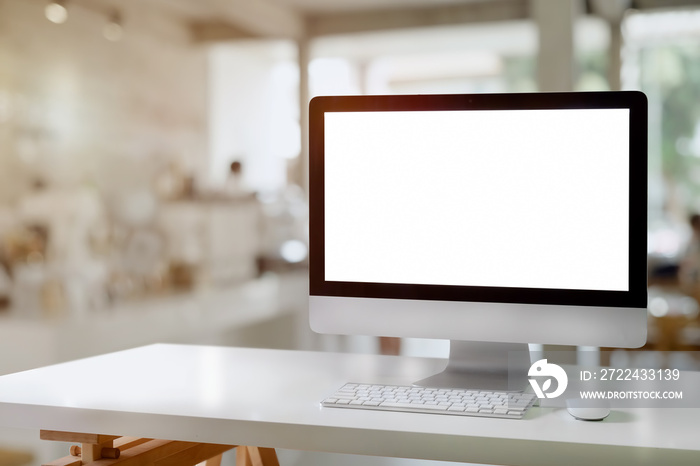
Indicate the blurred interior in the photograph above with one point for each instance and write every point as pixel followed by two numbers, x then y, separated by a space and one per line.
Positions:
pixel 153 154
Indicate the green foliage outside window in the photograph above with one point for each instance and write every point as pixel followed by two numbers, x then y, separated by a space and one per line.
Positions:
pixel 670 75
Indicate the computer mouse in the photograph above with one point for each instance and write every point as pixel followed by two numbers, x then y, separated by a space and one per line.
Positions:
pixel 588 410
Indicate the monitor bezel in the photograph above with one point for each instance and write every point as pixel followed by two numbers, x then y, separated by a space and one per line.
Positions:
pixel 634 101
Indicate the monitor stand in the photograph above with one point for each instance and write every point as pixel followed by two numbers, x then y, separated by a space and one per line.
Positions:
pixel 483 366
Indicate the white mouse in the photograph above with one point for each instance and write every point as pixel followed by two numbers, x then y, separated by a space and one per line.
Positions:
pixel 588 410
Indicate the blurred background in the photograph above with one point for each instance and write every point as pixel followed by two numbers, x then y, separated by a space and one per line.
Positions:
pixel 153 154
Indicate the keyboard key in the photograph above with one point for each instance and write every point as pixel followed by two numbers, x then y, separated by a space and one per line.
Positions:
pixel 411 407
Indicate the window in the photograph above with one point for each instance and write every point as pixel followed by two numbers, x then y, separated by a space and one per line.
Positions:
pixel 662 59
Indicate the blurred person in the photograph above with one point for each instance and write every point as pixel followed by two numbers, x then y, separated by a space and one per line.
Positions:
pixel 234 182
pixel 390 345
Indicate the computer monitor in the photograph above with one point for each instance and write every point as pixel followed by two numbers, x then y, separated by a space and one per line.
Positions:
pixel 495 219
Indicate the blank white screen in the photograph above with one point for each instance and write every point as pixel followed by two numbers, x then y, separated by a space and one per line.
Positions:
pixel 512 198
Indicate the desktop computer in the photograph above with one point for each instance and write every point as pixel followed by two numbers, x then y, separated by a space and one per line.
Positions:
pixel 491 220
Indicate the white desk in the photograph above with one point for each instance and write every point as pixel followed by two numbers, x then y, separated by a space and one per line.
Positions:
pixel 270 398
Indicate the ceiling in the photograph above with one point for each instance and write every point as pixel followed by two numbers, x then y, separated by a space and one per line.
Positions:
pixel 344 6
pixel 231 19
pixel 310 18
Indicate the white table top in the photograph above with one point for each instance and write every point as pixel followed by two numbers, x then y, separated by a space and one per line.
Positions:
pixel 271 398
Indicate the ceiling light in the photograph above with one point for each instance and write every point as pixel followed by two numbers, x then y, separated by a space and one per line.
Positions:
pixel 56 11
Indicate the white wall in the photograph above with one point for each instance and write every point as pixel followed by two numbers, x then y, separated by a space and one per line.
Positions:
pixel 75 107
pixel 254 111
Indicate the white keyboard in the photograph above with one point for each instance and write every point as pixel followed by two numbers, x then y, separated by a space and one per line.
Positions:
pixel 431 400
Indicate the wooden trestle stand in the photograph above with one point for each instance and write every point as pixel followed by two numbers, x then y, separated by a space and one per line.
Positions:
pixel 112 450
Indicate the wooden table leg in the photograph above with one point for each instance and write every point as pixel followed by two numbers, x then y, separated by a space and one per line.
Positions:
pixel 256 456
pixel 215 461
pixel 110 450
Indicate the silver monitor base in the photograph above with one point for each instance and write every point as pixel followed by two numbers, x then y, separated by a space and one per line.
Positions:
pixel 483 366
